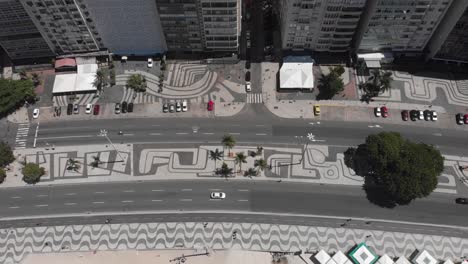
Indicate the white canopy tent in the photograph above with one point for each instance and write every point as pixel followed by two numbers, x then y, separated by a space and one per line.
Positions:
pixel 297 73
pixel 79 82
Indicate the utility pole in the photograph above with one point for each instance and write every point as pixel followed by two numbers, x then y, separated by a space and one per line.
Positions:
pixel 103 133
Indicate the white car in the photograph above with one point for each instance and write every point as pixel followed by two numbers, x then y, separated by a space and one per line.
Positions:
pixel 248 87
pixel 36 113
pixel 421 115
pixel 178 107
pixel 150 63
pixel 184 106
pixel 377 112
pixel 434 115
pixel 217 195
pixel 89 107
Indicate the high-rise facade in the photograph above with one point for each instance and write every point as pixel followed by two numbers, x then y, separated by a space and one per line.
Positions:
pixel 19 37
pixel 401 26
pixel 320 25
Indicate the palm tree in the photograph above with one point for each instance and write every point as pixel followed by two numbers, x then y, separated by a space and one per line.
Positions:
pixel 260 164
pixel 100 79
pixel 259 151
pixel 229 142
pixel 216 155
pixel 96 162
pixel 240 158
pixel 35 79
pixel 224 171
pixel 377 84
pixel 251 172
pixel 73 165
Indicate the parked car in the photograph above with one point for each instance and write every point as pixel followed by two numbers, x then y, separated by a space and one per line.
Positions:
pixel 150 63
pixel 421 115
pixel 165 108
pixel 459 118
pixel 427 115
pixel 124 107
pixel 76 109
pixel 184 106
pixel 247 64
pixel 172 108
pixel 414 115
pixel 178 106
pixel 433 115
pixel 377 112
pixel 217 195
pixel 210 106
pixel 248 87
pixel 88 108
pixel 461 200
pixel 317 110
pixel 70 109
pixel 130 107
pixel 405 115
pixel 96 110
pixel 117 108
pixel 384 111
pixel 465 119
pixel 36 113
pixel 247 76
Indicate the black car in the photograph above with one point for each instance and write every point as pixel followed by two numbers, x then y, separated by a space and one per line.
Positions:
pixel 124 107
pixel 70 109
pixel 414 114
pixel 461 200
pixel 247 64
pixel 427 115
pixel 130 107
pixel 404 115
pixel 247 76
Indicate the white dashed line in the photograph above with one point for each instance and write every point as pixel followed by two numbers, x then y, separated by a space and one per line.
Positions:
pixel 42 205
pixel 242 190
pixel 156 200
pixel 181 133
pixel 242 200
pixel 99 192
pixel 215 189
pixel 157 190
pixel 70 194
pixel 128 191
pixel 260 134
pixel 69 203
pixel 155 134
pixel 185 200
pixel 234 133
pixel 127 201
pixel 208 133
pixel 98 202
pixel 16 197
pixel 41 195
pixel 186 190
pixel 14 207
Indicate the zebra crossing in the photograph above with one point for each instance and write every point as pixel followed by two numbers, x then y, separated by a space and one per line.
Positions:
pixel 83 99
pixel 22 136
pixel 254 98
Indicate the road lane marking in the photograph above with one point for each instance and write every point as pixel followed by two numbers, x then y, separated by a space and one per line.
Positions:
pixel 157 190
pixel 242 200
pixel 98 202
pixel 185 200
pixel 182 133
pixel 208 133
pixel 70 194
pixel 234 133
pixel 128 134
pixel 99 192
pixel 127 201
pixel 128 191
pixel 156 200
pixel 48 138
pixel 260 134
pixel 215 189
pixel 259 125
pixel 16 197
pixel 41 205
pixel 35 135
pixel 186 190
pixel 41 195
pixel 242 190
pixel 69 203
pixel 14 207
pixel 155 134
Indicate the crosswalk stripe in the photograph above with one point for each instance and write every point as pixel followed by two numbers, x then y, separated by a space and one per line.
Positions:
pixel 254 98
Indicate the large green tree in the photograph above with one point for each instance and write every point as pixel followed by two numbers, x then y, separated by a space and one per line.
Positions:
pixel 216 155
pixel 229 142
pixel 32 173
pixel 14 94
pixel 399 169
pixel 239 159
pixel 137 82
pixel 378 83
pixel 331 84
pixel 101 79
pixel 6 154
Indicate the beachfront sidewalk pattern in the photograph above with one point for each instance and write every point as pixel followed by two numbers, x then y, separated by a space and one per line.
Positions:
pixel 314 164
pixel 16 243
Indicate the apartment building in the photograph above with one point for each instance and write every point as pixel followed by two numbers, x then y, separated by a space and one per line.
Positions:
pixel 19 37
pixel 320 25
pixel 200 25
pixel 400 26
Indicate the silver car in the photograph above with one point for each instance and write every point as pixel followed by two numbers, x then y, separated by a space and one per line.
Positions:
pixel 217 195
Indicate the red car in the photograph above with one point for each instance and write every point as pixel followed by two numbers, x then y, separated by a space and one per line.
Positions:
pixel 210 106
pixel 96 110
pixel 465 118
pixel 405 115
pixel 384 111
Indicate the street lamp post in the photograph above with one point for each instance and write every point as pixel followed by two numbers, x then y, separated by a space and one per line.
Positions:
pixel 103 133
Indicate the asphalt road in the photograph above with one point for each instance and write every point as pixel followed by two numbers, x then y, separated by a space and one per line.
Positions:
pixel 255 130
pixel 246 197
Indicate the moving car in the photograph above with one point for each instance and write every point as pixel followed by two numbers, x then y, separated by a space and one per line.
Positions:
pixel 184 106
pixel 171 108
pixel 70 109
pixel 217 195
pixel 150 63
pixel 384 111
pixel 76 109
pixel 248 87
pixel 461 200
pixel 433 115
pixel 36 113
pixel 124 107
pixel 130 107
pixel 459 118
pixel 165 108
pixel 405 115
pixel 88 108
pixel 317 110
pixel 96 109
pixel 427 115
pixel 377 112
pixel 414 115
pixel 178 107
pixel 421 115
pixel 117 108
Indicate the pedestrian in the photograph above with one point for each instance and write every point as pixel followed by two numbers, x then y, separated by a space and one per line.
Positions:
pixel 342 225
pixel 368 222
pixel 349 219
pixel 368 236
